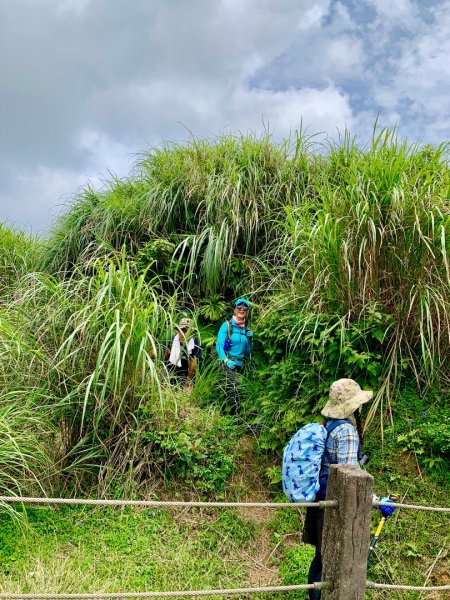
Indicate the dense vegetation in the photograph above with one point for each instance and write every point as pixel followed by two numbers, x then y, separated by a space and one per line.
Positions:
pixel 344 252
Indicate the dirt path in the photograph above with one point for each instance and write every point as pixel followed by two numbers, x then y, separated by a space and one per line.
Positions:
pixel 263 557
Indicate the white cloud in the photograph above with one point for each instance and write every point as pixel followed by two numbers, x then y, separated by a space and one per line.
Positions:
pixel 395 12
pixel 416 85
pixel 344 56
pixel 88 84
pixel 39 196
pixel 284 110
pixel 314 14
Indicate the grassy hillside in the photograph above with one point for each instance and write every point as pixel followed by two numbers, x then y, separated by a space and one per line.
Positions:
pixel 344 253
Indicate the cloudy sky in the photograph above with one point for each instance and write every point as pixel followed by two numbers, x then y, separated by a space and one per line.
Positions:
pixel 85 85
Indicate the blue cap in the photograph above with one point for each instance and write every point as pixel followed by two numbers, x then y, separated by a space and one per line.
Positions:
pixel 242 301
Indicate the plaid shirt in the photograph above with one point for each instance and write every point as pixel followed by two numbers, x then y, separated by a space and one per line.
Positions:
pixel 342 448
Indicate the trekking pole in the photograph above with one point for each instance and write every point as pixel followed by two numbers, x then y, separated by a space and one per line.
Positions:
pixel 381 524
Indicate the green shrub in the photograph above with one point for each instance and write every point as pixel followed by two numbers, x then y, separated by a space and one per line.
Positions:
pixel 428 437
pixel 298 355
pixel 344 252
pixel 189 444
pixel 156 258
pixel 436 435
pixel 213 307
pixel 18 256
pixel 87 350
pixel 380 237
pixel 352 233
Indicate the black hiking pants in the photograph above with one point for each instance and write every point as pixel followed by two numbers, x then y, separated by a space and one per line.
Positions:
pixel 315 575
pixel 312 534
pixel 232 388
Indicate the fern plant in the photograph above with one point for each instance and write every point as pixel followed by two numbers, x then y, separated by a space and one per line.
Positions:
pixel 213 307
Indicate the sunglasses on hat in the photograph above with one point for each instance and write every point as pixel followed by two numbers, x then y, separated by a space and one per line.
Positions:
pixel 242 307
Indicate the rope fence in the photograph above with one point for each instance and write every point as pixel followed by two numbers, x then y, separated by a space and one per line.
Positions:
pixel 179 594
pixel 370 585
pixel 194 504
pixel 334 580
pixel 223 592
pixel 165 503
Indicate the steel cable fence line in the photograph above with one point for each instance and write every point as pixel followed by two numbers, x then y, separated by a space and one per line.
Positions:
pixel 179 594
pixel 165 503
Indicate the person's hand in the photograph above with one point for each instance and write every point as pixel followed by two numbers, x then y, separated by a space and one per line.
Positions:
pixel 387 511
pixel 231 364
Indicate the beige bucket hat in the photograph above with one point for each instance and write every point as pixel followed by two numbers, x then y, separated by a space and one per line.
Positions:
pixel 345 397
pixel 185 322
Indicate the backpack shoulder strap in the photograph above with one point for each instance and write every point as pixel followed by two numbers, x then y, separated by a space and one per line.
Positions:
pixel 331 425
pixel 229 327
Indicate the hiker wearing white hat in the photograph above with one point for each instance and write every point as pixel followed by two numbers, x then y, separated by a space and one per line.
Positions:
pixel 343 446
pixel 184 353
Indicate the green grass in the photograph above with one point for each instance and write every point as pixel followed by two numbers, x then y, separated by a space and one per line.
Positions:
pixel 25 459
pixel 19 253
pixel 91 550
pixel 411 540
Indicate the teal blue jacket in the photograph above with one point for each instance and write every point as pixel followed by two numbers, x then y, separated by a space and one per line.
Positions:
pixel 241 342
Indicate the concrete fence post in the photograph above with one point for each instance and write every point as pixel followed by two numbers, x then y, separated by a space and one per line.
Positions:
pixel 346 533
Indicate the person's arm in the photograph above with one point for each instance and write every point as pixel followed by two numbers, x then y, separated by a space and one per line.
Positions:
pixel 193 359
pixel 191 368
pixel 346 443
pixel 221 337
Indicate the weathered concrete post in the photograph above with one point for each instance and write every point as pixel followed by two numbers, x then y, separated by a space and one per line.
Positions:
pixel 346 533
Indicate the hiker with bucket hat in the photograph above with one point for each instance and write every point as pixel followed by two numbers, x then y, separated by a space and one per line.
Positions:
pixel 184 353
pixel 233 347
pixel 343 446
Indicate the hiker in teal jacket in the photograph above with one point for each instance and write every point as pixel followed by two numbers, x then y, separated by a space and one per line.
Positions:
pixel 233 346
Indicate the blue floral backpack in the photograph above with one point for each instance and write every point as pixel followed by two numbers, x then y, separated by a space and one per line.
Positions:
pixel 302 460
